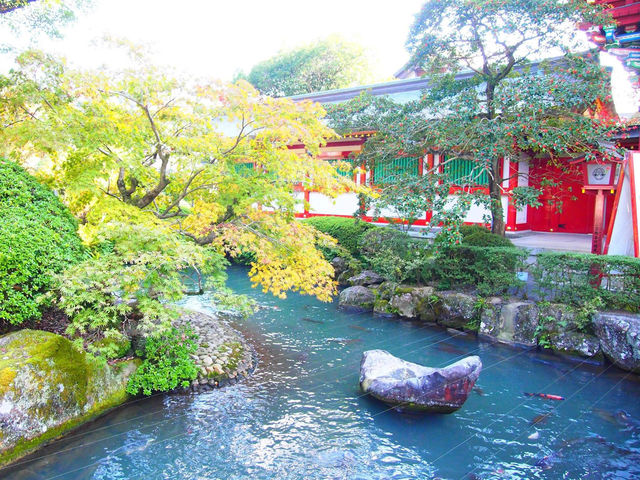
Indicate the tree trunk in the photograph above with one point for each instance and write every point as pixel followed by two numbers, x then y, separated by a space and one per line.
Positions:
pixel 495 194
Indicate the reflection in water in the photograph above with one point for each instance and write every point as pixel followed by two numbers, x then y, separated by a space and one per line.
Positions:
pixel 301 415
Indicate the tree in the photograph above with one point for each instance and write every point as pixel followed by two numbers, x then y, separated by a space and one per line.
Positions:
pixel 508 108
pixel 7 6
pixel 26 21
pixel 324 65
pixel 204 165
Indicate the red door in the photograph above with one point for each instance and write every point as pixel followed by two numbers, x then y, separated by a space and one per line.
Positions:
pixel 565 208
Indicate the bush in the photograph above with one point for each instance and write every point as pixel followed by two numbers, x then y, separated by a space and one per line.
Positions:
pixel 347 231
pixel 396 256
pixel 467 230
pixel 491 270
pixel 486 240
pixel 167 363
pixel 479 236
pixel 578 279
pixel 38 239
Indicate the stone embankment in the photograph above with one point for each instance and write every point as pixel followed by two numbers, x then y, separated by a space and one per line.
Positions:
pixel 613 336
pixel 223 356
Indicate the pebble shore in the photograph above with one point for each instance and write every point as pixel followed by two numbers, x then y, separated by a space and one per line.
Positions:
pixel 223 355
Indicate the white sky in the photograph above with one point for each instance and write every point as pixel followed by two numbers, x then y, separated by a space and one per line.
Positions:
pixel 216 38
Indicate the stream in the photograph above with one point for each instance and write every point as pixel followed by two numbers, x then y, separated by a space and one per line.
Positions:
pixel 301 414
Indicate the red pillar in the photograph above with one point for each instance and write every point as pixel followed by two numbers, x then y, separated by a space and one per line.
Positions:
pixel 598 219
pixel 307 200
pixel 513 183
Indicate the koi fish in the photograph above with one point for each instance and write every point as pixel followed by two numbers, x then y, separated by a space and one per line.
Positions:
pixel 358 327
pixel 540 418
pixel 311 320
pixel 546 396
pixel 450 349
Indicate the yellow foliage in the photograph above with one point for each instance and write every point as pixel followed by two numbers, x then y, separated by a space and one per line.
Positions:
pixel 207 161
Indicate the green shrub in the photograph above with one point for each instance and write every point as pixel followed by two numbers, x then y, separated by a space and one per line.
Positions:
pixel 479 236
pixel 396 256
pixel 578 279
pixel 468 230
pixel 113 345
pixel 167 363
pixel 491 270
pixel 347 231
pixel 38 239
pixel 486 240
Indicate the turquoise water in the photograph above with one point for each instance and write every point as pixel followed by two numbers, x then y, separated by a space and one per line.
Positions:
pixel 301 415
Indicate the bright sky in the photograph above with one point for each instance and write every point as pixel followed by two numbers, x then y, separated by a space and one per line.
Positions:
pixel 217 38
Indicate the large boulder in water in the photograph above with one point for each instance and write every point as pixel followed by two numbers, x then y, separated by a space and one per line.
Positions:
pixel 48 387
pixel 359 299
pixel 411 387
pixel 619 335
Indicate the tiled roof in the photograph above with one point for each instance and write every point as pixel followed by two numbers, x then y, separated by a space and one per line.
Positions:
pixel 401 90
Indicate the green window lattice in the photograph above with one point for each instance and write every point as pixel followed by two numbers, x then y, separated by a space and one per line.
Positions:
pixel 466 172
pixel 243 168
pixel 386 171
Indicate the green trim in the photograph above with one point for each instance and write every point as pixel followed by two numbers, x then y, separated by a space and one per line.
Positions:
pixel 466 172
pixel 386 171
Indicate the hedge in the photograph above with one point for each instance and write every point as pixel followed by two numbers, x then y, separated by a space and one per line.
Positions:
pixel 396 256
pixel 38 238
pixel 576 278
pixel 347 231
pixel 492 270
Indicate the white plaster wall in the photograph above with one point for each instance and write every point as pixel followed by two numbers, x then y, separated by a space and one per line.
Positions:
pixel 523 174
pixel 385 213
pixel 476 213
pixel 299 196
pixel 345 204
pixel 505 172
pixel 521 215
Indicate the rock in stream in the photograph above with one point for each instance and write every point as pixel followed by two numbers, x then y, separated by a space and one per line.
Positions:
pixel 411 387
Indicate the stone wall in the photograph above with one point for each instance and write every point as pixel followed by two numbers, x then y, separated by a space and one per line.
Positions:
pixel 613 336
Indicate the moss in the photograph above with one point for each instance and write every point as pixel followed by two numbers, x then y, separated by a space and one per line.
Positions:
pixel 404 289
pixel 235 356
pixel 50 361
pixel 380 305
pixel 54 357
pixel 27 446
pixel 7 375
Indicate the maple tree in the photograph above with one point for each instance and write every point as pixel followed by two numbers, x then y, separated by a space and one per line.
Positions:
pixel 204 164
pixel 487 99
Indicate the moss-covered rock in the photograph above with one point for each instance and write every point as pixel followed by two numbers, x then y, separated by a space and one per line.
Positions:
pixel 513 322
pixel 48 387
pixel 357 299
pixel 455 309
